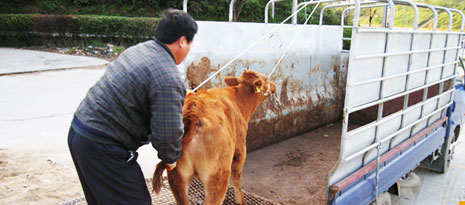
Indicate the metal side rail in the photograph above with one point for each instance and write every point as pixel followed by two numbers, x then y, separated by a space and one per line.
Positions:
pixel 357 187
pixel 196 195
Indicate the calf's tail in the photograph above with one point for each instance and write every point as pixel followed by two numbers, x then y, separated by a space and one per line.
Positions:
pixel 158 177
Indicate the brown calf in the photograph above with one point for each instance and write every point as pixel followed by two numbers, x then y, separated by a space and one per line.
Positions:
pixel 214 148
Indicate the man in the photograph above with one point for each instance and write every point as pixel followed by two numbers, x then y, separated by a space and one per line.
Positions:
pixel 138 100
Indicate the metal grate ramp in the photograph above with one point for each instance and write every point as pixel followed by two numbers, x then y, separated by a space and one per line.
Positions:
pixel 196 195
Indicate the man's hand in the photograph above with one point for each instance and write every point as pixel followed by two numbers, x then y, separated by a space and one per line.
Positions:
pixel 170 167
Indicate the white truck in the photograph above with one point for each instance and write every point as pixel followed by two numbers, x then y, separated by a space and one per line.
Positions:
pixel 390 96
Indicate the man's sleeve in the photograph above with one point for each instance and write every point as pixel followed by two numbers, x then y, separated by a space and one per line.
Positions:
pixel 166 121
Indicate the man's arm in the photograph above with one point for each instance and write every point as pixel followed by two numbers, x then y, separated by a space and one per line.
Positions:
pixel 166 121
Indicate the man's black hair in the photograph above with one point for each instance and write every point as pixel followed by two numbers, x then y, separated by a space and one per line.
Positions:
pixel 174 24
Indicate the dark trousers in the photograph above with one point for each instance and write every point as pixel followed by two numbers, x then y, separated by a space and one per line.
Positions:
pixel 106 175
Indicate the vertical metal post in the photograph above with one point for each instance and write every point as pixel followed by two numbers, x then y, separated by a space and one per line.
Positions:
pixel 294 9
pixel 272 9
pixel 267 7
pixel 385 12
pixel 392 13
pixel 407 78
pixel 231 10
pixel 380 117
pixel 435 14
pixel 425 90
pixel 381 106
pixel 184 5
pixel 378 148
pixel 389 13
pixel 462 25
pixel 460 38
pixel 441 85
pixel 461 35
pixel 356 14
pixel 345 123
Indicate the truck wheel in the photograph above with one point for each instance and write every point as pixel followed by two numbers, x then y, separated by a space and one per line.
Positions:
pixel 409 185
pixel 383 199
pixel 441 165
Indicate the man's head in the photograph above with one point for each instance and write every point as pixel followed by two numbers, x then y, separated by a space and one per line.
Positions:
pixel 177 29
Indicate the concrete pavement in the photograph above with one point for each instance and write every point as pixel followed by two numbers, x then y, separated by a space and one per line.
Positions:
pixel 36 109
pixel 448 188
pixel 20 60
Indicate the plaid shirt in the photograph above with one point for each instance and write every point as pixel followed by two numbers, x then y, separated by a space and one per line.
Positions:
pixel 140 97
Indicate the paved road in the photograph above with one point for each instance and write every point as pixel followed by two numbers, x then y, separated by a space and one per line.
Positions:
pixel 36 109
pixel 21 60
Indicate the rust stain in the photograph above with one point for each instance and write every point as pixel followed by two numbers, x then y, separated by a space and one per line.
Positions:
pixel 292 94
pixel 338 82
pixel 196 74
pixel 247 63
pixel 296 86
pixel 283 97
pixel 315 69
pixel 269 131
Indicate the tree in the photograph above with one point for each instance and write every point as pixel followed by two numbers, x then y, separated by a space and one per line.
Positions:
pixel 372 15
pixel 237 9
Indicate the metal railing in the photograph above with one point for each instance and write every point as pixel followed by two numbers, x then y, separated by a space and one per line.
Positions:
pixel 386 31
pixel 267 7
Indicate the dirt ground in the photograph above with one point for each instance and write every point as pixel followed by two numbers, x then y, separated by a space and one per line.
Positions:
pixel 103 53
pixel 291 172
pixel 36 178
pixel 294 171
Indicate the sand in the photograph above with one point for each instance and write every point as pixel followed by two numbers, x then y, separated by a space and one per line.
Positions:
pixel 36 178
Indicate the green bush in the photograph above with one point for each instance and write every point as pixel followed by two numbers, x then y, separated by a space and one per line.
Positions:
pixel 16 23
pixel 72 29
pixel 116 26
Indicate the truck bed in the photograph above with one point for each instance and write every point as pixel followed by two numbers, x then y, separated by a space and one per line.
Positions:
pixel 294 171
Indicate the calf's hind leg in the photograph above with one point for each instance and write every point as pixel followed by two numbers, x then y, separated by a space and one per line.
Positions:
pixel 179 186
pixel 216 187
pixel 236 176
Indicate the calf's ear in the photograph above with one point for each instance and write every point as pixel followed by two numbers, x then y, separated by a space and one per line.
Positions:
pixel 272 87
pixel 231 81
pixel 258 86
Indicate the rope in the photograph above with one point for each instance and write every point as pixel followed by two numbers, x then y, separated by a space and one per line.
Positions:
pixel 293 40
pixel 251 46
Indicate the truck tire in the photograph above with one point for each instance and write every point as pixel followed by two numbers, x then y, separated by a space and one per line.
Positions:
pixel 441 165
pixel 409 185
pixel 383 199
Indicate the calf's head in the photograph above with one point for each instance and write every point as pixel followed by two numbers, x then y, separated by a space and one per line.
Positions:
pixel 257 83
